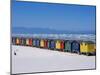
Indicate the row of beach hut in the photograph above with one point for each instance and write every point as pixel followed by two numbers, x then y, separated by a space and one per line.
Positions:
pixel 73 46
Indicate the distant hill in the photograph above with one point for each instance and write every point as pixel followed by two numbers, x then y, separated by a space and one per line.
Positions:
pixel 23 30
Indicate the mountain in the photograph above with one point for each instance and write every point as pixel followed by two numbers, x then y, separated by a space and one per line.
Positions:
pixel 23 30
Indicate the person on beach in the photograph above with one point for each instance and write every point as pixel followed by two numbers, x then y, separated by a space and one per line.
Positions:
pixel 15 52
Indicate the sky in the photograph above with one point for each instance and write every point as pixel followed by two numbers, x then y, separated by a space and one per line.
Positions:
pixel 61 17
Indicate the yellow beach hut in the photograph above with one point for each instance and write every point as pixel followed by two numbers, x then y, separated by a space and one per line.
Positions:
pixel 42 43
pixel 87 47
pixel 58 44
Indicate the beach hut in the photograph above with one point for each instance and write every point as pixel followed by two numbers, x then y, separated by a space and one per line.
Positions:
pixel 42 43
pixel 45 43
pixel 59 45
pixel 51 44
pixel 23 42
pixel 34 42
pixel 29 42
pixel 95 47
pixel 67 46
pixel 37 43
pixel 13 40
pixel 75 46
pixel 87 47
pixel 62 45
pixel 18 41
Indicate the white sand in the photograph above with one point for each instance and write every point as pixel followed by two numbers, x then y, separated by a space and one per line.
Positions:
pixel 30 59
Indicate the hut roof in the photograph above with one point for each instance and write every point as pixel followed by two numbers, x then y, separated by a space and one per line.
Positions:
pixel 89 42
